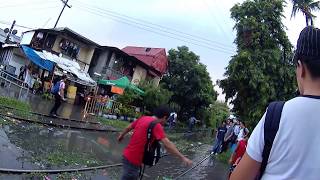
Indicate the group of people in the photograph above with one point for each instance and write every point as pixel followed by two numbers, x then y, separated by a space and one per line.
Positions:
pixel 228 135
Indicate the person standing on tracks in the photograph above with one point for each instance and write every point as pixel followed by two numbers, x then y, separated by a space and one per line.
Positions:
pixel 228 135
pixel 58 92
pixel 216 148
pixel 192 123
pixel 133 153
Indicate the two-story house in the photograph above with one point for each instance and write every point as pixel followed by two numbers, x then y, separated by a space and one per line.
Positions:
pixel 137 63
pixel 64 41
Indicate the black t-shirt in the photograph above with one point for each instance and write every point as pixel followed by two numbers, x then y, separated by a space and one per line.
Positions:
pixel 221 132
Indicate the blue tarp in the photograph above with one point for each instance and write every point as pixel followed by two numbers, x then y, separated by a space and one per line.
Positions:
pixel 36 59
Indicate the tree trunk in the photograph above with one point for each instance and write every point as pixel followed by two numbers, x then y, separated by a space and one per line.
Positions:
pixel 307 22
pixel 311 21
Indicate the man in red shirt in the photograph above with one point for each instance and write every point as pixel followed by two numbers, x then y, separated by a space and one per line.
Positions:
pixel 133 153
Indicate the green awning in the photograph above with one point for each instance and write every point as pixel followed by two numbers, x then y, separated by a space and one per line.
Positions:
pixel 121 83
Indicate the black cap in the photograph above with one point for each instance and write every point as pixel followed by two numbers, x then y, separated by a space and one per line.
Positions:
pixel 308 44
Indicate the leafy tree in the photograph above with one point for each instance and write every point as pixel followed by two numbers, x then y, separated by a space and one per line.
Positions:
pixel 154 96
pixel 216 113
pixel 129 97
pixel 190 83
pixel 262 70
pixel 306 7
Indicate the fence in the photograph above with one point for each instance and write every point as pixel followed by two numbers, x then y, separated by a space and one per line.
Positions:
pixel 96 106
pixel 8 80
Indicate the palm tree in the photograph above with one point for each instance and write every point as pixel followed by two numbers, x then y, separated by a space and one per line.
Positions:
pixel 306 7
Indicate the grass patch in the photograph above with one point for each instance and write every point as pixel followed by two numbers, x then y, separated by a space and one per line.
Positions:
pixel 22 109
pixel 224 157
pixel 14 103
pixel 62 158
pixel 117 124
pixel 4 122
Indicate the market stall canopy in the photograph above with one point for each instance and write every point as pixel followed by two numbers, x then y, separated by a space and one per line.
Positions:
pixel 33 56
pixel 69 66
pixel 122 83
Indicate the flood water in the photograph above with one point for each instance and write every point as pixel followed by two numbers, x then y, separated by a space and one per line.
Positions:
pixel 30 146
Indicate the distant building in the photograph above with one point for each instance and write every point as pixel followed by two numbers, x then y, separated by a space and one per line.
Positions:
pixel 64 41
pixel 113 63
pixel 155 59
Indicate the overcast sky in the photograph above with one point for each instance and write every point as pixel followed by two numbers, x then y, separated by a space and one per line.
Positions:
pixel 204 26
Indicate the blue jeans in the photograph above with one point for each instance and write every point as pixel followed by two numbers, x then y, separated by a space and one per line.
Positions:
pixel 217 146
pixel 130 171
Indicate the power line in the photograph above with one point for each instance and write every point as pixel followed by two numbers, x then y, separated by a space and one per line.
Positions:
pixel 159 27
pixel 25 4
pixel 217 22
pixel 153 31
pixel 156 32
pixel 17 25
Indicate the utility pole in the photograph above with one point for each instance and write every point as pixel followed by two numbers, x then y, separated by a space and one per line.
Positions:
pixel 65 3
pixel 10 31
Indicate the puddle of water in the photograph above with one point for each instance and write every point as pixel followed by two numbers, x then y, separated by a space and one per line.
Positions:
pixel 31 146
pixel 171 167
pixel 107 174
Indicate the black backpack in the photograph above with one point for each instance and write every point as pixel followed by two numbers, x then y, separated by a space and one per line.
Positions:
pixel 271 126
pixel 152 149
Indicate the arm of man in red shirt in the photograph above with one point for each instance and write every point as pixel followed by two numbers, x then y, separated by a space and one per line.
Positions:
pixel 127 129
pixel 171 148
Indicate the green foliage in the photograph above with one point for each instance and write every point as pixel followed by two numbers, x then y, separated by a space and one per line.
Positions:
pixel 190 83
pixel 154 96
pixel 262 70
pixel 62 158
pixel 10 102
pixel 129 97
pixel 224 157
pixel 20 109
pixel 306 7
pixel 217 113
pixel 113 123
pixel 47 96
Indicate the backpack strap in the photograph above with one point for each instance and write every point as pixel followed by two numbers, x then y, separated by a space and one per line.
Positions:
pixel 271 126
pixel 149 136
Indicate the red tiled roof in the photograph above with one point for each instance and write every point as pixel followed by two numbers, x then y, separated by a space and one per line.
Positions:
pixel 156 58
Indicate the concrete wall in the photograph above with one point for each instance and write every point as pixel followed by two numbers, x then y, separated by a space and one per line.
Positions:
pixel 156 81
pixel 139 75
pixel 85 54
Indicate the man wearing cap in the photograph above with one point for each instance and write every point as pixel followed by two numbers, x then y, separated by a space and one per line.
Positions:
pixel 295 149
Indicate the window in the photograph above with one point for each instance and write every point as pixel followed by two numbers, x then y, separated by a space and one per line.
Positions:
pixel 69 48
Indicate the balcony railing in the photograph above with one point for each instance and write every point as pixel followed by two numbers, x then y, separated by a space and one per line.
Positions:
pixel 113 74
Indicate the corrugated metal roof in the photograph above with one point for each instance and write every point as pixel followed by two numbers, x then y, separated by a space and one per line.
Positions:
pixel 156 58
pixel 71 33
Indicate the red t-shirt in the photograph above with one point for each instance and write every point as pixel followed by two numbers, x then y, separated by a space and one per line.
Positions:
pixel 135 149
pixel 241 149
